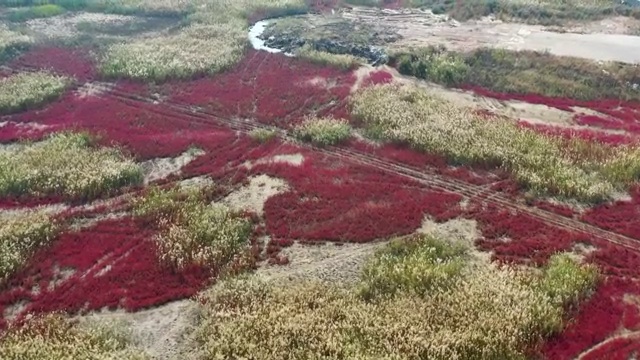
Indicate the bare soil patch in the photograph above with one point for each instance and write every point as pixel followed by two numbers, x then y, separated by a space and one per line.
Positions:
pixel 253 196
pixel 160 331
pixel 157 169
pixel 331 263
pixel 423 28
pixel 291 159
pixel 512 108
pixel 623 25
pixel 93 89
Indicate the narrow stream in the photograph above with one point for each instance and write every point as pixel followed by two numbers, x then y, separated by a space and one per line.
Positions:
pixel 255 31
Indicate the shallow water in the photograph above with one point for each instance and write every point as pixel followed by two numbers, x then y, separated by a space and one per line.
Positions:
pixel 255 31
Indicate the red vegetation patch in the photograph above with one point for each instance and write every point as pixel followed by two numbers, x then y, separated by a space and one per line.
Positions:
pixel 12 132
pixel 7 202
pixel 621 216
pixel 623 115
pixel 518 237
pixel 559 209
pixel 584 134
pixel 353 203
pixel 145 130
pixel 628 121
pixel 71 62
pixel 378 77
pixel 330 198
pixel 272 89
pixel 112 264
pixel 323 5
pixel 594 322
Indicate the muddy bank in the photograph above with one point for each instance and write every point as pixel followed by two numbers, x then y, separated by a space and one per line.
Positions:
pixel 332 34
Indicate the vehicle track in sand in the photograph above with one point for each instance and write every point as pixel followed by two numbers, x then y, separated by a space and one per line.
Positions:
pixel 188 114
pixel 426 177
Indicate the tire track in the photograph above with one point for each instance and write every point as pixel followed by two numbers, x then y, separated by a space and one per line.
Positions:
pixel 423 176
pixel 187 114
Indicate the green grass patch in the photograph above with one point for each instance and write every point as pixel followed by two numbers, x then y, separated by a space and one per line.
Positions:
pixel 417 265
pixel 323 131
pixel 340 61
pixel 263 135
pixel 20 235
pixel 522 72
pixel 24 91
pixel 193 231
pixel 12 43
pixel 65 164
pixel 36 12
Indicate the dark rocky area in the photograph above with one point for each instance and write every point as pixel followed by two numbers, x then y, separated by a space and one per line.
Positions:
pixel 288 43
pixel 336 36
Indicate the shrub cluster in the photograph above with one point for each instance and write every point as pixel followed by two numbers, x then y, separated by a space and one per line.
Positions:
pixel 11 42
pixel 323 131
pixel 263 135
pixel 20 235
pixel 25 90
pixel 340 61
pixel 545 164
pixel 53 337
pixel 214 41
pixel 193 232
pixel 67 165
pixel 487 313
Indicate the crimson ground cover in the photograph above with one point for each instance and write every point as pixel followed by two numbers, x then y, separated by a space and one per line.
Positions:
pixel 613 139
pixel 76 63
pixel 616 114
pixel 111 265
pixel 330 199
pixel 272 89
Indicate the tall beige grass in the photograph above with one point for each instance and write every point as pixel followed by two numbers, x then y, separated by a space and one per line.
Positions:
pixel 25 90
pixel 545 164
pixel 20 235
pixel 53 337
pixel 65 164
pixel 214 40
pixel 192 231
pixel 479 312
